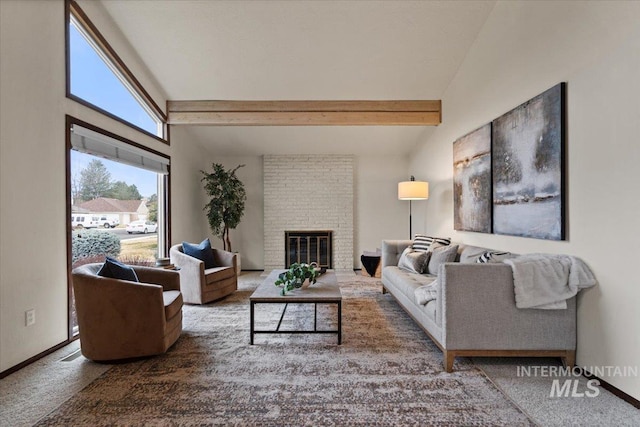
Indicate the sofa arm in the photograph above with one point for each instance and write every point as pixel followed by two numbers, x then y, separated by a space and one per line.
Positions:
pixel 225 259
pixel 391 251
pixel 478 308
pixel 169 280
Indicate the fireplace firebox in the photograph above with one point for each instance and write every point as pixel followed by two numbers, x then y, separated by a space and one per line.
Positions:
pixel 308 247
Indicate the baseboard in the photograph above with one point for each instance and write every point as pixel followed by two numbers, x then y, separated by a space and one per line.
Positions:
pixel 35 358
pixel 614 390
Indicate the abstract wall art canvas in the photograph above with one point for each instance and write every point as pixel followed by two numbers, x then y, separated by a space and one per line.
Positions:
pixel 472 181
pixel 528 168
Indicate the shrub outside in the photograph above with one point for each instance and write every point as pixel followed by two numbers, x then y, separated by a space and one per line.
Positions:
pixel 93 244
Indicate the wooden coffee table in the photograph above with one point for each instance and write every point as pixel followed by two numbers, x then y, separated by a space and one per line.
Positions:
pixel 324 291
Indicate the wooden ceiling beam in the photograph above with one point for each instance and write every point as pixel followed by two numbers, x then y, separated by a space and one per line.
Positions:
pixel 305 113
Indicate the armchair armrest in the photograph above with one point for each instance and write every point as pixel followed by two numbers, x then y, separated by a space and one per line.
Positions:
pixel 169 280
pixel 225 259
pixel 189 266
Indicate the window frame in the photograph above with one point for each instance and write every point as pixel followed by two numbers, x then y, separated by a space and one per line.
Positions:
pixel 74 12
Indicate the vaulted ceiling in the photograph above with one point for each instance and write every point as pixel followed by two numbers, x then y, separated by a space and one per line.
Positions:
pixel 302 50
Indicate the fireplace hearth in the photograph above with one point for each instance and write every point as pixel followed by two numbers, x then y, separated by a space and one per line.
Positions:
pixel 308 247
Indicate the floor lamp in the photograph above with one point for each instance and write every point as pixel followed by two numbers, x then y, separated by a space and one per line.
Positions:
pixel 412 190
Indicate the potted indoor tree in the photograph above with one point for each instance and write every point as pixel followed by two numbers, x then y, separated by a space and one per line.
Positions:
pixel 226 207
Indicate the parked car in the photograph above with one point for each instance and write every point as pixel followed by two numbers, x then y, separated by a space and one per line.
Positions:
pixel 84 221
pixel 109 221
pixel 142 226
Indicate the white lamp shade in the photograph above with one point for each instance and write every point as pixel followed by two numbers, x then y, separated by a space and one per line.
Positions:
pixel 413 190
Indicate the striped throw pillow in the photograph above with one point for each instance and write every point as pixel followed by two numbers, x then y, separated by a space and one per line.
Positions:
pixel 424 243
pixel 493 256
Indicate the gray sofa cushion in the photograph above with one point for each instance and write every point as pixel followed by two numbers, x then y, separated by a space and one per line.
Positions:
pixel 441 255
pixel 470 254
pixel 406 282
pixel 414 261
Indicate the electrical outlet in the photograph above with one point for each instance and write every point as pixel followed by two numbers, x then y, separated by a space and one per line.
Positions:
pixel 30 317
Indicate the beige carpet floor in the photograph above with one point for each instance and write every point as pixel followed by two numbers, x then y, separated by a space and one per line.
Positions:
pixel 385 373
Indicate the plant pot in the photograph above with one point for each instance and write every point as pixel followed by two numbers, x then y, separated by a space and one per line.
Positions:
pixel 238 262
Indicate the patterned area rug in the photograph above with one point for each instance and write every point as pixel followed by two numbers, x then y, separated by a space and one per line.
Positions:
pixel 386 372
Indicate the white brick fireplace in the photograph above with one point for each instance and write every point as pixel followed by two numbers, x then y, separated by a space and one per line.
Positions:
pixel 308 192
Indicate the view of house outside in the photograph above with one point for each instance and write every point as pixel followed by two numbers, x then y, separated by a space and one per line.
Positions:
pixel 109 200
pixel 114 209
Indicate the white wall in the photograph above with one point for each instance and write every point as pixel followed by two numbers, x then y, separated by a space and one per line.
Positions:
pixel 523 49
pixel 247 239
pixel 32 151
pixel 188 220
pixel 378 212
pixel 33 273
pixel 308 192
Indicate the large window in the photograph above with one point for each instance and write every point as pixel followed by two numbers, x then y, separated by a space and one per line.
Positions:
pixel 117 200
pixel 117 189
pixel 98 78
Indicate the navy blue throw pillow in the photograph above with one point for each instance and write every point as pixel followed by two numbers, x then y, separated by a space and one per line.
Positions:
pixel 114 269
pixel 202 251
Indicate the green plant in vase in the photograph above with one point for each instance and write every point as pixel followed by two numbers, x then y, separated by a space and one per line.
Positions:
pixel 296 275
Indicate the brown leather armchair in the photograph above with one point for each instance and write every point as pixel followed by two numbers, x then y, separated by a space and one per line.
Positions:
pixel 119 319
pixel 200 285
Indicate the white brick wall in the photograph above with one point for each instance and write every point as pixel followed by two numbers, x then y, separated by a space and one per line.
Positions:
pixel 308 192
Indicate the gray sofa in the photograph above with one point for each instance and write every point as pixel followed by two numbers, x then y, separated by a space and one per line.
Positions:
pixel 474 313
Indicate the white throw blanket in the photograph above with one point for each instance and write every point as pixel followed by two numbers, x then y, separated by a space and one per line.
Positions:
pixel 426 293
pixel 546 281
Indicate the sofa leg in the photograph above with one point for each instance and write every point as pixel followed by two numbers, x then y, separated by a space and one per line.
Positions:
pixel 449 357
pixel 569 360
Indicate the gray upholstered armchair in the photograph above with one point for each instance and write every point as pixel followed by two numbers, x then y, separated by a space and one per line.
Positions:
pixel 200 285
pixel 119 319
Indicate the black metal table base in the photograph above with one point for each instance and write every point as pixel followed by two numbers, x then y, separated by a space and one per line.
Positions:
pixel 315 330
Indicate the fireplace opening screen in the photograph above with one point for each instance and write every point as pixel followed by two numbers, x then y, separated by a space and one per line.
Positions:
pixel 308 247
